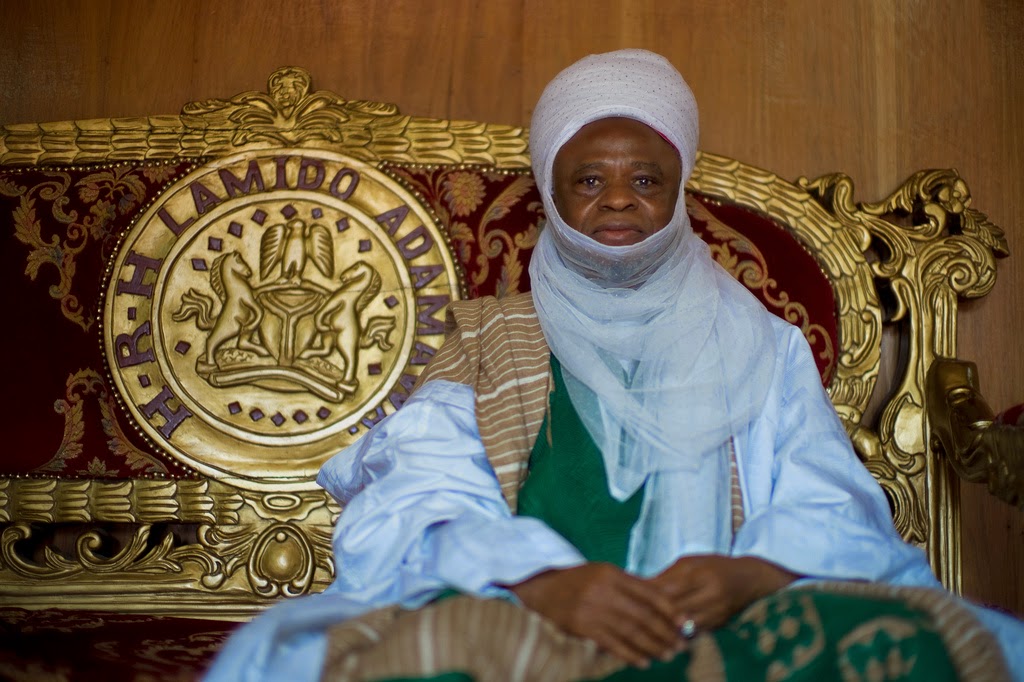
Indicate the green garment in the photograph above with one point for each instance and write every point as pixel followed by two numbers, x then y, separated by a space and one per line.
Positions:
pixel 567 487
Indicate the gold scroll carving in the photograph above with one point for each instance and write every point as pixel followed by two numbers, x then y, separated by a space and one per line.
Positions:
pixel 963 429
pixel 290 113
pixel 931 249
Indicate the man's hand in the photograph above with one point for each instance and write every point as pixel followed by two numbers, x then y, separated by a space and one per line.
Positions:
pixel 625 615
pixel 710 588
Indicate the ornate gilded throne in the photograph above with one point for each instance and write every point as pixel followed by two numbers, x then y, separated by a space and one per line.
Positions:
pixel 205 307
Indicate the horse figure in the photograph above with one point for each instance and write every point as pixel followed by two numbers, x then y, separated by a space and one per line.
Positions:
pixel 240 314
pixel 338 319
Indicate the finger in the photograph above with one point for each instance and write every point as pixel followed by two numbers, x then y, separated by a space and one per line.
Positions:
pixel 707 610
pixel 653 597
pixel 681 577
pixel 700 587
pixel 614 643
pixel 624 652
pixel 625 614
pixel 641 628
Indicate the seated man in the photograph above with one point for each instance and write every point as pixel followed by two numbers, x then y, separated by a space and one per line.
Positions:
pixel 671 457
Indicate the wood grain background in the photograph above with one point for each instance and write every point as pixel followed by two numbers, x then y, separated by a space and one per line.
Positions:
pixel 876 89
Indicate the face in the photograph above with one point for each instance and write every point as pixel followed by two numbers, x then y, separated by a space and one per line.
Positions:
pixel 616 181
pixel 288 89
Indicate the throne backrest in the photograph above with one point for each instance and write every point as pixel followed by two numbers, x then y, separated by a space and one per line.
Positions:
pixel 207 306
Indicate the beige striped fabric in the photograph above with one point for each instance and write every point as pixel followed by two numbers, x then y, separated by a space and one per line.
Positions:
pixel 735 494
pixel 497 347
pixel 492 640
pixel 489 639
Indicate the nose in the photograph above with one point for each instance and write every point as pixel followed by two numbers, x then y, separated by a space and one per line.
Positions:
pixel 619 196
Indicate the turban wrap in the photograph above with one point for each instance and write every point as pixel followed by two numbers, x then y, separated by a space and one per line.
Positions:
pixel 664 354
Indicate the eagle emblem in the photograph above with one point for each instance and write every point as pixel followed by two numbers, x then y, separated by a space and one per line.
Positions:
pixel 287 332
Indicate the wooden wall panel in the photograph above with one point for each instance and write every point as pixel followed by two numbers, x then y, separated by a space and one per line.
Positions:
pixel 875 89
pixel 961 104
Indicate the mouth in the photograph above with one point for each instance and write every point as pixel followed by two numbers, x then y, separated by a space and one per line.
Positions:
pixel 618 235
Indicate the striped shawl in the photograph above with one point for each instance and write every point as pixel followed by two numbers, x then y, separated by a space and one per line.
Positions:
pixel 498 348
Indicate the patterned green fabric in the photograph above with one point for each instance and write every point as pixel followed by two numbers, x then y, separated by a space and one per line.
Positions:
pixel 567 487
pixel 803 635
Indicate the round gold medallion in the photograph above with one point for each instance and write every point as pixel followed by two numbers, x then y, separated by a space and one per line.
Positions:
pixel 270 308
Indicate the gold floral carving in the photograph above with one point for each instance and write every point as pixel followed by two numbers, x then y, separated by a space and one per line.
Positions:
pixel 138 556
pixel 237 563
pixel 289 113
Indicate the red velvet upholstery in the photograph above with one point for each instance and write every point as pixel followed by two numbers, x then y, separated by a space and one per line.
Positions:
pixel 61 417
pixel 1014 416
pixel 86 645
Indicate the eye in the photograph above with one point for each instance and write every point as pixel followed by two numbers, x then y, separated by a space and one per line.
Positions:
pixel 645 181
pixel 589 181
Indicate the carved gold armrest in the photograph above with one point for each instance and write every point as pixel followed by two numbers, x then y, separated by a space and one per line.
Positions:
pixel 963 429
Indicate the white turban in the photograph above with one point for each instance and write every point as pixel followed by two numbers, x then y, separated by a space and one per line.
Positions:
pixel 665 355
pixel 630 83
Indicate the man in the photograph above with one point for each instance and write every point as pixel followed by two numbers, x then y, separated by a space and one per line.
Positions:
pixel 664 441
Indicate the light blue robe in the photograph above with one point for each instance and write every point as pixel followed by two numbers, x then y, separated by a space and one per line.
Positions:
pixel 424 512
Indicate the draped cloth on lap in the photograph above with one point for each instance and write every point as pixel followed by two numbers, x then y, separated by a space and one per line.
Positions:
pixel 826 631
